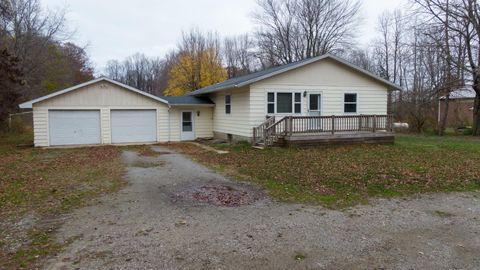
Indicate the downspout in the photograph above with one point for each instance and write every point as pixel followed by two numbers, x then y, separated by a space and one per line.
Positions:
pixel 169 107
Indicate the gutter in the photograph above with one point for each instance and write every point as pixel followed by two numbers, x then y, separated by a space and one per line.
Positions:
pixel 193 105
pixel 169 107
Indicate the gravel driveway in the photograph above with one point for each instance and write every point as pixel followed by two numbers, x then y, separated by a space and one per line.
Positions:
pixel 148 226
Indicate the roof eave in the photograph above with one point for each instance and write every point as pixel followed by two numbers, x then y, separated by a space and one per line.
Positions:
pixel 26 105
pixel 192 105
pixel 214 90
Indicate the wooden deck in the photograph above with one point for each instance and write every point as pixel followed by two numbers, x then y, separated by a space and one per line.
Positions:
pixel 313 130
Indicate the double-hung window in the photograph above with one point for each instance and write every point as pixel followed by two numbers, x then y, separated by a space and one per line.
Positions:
pixel 284 102
pixel 271 102
pixel 228 104
pixel 350 103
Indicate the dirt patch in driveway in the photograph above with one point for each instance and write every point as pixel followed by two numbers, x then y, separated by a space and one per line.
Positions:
pixel 141 227
pixel 147 163
pixel 219 195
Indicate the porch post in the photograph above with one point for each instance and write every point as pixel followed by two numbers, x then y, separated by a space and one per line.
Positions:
pixel 290 125
pixel 264 133
pixel 390 122
pixel 360 123
pixel 374 123
pixel 333 124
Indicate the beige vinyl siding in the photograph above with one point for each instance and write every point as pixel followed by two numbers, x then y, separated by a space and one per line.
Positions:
pixel 162 123
pixel 203 124
pixel 102 96
pixel 105 125
pixel 40 126
pixel 237 122
pixel 327 77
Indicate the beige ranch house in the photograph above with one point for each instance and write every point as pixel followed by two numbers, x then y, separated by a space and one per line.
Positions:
pixel 322 99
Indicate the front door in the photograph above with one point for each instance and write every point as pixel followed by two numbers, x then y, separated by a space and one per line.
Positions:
pixel 187 133
pixel 315 109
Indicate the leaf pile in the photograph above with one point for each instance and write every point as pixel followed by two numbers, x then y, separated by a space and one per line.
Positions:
pixel 218 195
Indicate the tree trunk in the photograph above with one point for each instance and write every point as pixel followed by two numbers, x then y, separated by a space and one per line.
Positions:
pixel 476 105
pixel 444 115
pixel 476 115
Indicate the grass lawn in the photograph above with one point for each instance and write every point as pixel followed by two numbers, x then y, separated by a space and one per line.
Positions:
pixel 339 176
pixel 38 184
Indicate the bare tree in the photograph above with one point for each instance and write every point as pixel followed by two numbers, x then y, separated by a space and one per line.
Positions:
pixel 460 21
pixel 292 30
pixel 239 55
pixel 139 71
pixel 390 46
pixel 362 58
pixel 114 70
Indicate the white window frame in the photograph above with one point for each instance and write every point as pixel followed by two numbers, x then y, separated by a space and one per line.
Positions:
pixel 275 93
pixel 345 103
pixel 272 102
pixel 308 101
pixel 229 104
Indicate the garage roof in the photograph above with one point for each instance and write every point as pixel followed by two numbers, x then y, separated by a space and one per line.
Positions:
pixel 29 104
pixel 264 74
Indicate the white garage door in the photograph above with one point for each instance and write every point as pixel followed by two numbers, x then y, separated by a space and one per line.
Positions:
pixel 74 127
pixel 130 126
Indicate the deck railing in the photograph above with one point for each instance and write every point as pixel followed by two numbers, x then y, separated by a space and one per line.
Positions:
pixel 269 132
pixel 259 134
pixel 335 124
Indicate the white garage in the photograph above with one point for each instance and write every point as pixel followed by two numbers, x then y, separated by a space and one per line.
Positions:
pixel 133 126
pixel 74 127
pixel 104 111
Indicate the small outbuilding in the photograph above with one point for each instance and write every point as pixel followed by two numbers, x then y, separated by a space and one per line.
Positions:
pixel 460 107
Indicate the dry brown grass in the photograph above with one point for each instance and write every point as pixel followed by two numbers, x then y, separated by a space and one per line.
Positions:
pixel 45 183
pixel 345 175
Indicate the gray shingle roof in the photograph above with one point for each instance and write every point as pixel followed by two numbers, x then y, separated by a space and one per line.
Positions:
pixel 465 92
pixel 260 75
pixel 187 100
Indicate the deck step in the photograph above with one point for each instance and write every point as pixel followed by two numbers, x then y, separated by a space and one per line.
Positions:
pixel 259 146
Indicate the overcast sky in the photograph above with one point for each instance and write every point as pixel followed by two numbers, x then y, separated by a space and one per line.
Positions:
pixel 115 29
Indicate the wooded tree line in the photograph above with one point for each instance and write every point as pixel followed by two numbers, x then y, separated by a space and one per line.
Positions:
pixel 35 55
pixel 430 49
